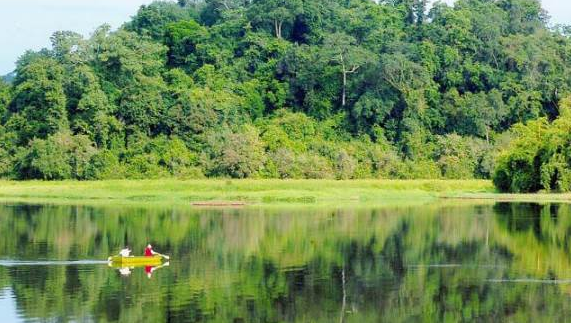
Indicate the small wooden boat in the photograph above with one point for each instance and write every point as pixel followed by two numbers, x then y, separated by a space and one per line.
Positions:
pixel 121 261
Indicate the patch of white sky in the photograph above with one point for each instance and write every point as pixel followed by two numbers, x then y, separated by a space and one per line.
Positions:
pixel 28 24
pixel 559 10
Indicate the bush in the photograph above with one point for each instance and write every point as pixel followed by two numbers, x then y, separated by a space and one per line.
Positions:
pixel 160 157
pixel 461 157
pixel 420 169
pixel 454 167
pixel 315 167
pixel 106 165
pixel 518 169
pixel 60 156
pixel 345 166
pixel 284 163
pixel 236 154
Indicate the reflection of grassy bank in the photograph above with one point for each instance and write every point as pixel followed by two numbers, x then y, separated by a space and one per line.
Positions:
pixel 524 198
pixel 251 191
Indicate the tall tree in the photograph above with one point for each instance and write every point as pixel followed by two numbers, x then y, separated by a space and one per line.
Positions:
pixel 39 98
pixel 276 13
pixel 343 50
pixel 183 38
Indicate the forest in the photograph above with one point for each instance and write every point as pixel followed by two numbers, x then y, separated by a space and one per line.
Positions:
pixel 341 89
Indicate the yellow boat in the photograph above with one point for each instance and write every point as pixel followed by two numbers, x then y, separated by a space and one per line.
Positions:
pixel 121 261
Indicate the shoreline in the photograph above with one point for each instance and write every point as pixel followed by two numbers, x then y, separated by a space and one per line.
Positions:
pixel 243 193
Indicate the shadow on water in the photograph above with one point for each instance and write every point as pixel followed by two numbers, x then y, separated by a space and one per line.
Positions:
pixel 441 262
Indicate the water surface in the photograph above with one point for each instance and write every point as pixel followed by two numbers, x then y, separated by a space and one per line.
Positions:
pixel 441 262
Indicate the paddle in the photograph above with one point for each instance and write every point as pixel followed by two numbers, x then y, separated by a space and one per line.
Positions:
pixel 164 256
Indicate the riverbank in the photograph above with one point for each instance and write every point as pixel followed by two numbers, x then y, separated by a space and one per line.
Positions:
pixel 244 191
pixel 202 193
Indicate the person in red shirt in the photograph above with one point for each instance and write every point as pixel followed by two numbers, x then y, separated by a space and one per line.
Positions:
pixel 149 252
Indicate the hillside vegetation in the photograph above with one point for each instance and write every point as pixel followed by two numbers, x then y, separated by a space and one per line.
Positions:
pixel 286 89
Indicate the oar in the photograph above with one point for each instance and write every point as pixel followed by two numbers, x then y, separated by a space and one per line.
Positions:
pixel 164 256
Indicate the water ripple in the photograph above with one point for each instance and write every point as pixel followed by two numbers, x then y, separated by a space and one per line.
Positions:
pixel 20 263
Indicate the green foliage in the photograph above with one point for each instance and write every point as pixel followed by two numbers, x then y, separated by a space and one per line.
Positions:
pixel 151 20
pixel 538 158
pixel 5 97
pixel 39 98
pixel 237 154
pixel 294 89
pixel 159 157
pixel 183 39
pixel 60 156
pixel 275 15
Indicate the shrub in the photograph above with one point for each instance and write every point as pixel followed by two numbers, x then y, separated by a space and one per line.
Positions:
pixel 106 165
pixel 145 166
pixel 518 168
pixel 160 157
pixel 420 169
pixel 315 167
pixel 236 154
pixel 60 156
pixel 285 164
pixel 345 165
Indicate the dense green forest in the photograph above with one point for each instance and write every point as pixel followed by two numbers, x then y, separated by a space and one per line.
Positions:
pixel 286 89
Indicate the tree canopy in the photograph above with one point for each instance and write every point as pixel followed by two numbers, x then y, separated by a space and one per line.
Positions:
pixel 286 88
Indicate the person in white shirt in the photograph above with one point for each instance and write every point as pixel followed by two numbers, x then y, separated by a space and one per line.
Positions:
pixel 125 252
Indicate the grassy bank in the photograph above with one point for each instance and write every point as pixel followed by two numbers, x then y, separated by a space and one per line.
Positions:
pixel 260 192
pixel 248 191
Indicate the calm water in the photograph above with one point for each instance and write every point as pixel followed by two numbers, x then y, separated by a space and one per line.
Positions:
pixel 432 263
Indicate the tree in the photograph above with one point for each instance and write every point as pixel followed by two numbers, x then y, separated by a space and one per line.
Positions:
pixel 88 106
pixel 141 104
pixel 538 158
pixel 39 98
pixel 343 50
pixel 68 47
pixel 412 82
pixel 525 16
pixel 227 4
pixel 123 56
pixel 276 13
pixel 152 19
pixel 414 11
pixel 475 114
pixel 183 38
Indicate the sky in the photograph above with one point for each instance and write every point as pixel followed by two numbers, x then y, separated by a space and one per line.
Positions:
pixel 28 24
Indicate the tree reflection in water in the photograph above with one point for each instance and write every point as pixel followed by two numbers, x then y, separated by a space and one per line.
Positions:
pixel 437 262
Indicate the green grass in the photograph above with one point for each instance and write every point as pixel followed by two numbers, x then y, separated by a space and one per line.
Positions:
pixel 260 192
pixel 256 192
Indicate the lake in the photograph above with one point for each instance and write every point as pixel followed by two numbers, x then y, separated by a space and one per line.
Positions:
pixel 438 262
